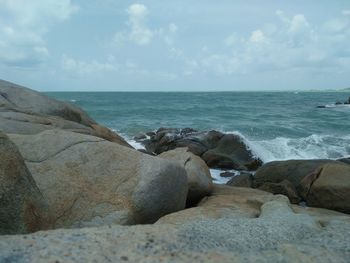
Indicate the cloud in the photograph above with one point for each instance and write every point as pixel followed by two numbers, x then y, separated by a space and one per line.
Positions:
pixel 138 31
pixel 257 36
pixel 23 25
pixel 75 67
pixel 294 43
pixel 346 12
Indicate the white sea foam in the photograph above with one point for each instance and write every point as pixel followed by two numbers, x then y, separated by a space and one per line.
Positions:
pixel 311 147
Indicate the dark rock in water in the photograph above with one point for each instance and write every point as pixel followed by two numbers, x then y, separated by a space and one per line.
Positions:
pixel 321 107
pixel 338 103
pixel 227 174
pixel 140 137
pixel 218 150
pixel 232 153
pixel 244 179
pixel 186 131
pixel 150 133
pixel 22 206
pixel 285 188
pixel 328 187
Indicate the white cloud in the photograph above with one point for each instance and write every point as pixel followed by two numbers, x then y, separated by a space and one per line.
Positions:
pixel 76 67
pixel 23 27
pixel 346 12
pixel 292 44
pixel 257 36
pixel 138 32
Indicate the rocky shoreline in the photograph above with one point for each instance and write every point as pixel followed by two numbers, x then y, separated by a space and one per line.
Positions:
pixel 74 191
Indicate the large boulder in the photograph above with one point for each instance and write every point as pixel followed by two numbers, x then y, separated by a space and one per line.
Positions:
pixel 89 181
pixel 251 226
pixel 292 170
pixel 328 187
pixel 198 174
pixel 22 206
pixel 25 111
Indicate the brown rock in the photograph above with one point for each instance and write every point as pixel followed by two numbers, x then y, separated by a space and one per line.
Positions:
pixel 22 206
pixel 88 181
pixel 328 187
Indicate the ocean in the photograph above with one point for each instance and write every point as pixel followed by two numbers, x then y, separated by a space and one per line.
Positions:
pixel 274 125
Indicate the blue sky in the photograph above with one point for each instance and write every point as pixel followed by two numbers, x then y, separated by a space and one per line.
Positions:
pixel 186 45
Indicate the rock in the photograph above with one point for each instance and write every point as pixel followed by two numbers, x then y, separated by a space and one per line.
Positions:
pixel 284 177
pixel 139 137
pixel 338 103
pixel 25 111
pixel 321 107
pixel 284 188
pixel 88 181
pixel 293 171
pixel 22 206
pixel 344 160
pixel 328 187
pixel 231 153
pixel 233 225
pixel 227 174
pixel 198 174
pixel 218 150
pixel 244 179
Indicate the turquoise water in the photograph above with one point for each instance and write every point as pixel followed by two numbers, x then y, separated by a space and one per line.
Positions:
pixel 275 125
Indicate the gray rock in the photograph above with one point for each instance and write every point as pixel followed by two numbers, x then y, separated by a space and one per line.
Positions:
pixel 22 206
pixel 198 174
pixel 244 179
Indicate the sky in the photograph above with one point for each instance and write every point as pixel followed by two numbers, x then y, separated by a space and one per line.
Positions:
pixel 182 45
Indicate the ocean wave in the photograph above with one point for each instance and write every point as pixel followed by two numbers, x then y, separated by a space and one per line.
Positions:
pixel 311 147
pixel 283 148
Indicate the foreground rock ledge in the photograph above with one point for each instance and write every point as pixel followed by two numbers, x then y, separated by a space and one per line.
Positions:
pixel 253 226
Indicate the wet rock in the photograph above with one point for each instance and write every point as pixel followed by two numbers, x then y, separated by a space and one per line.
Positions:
pixel 244 179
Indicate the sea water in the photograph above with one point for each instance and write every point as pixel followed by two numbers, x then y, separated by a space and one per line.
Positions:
pixel 274 125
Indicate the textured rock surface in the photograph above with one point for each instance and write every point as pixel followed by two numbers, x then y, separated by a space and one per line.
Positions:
pixel 22 207
pixel 241 180
pixel 198 174
pixel 259 227
pixel 328 187
pixel 284 177
pixel 89 181
pixel 25 111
